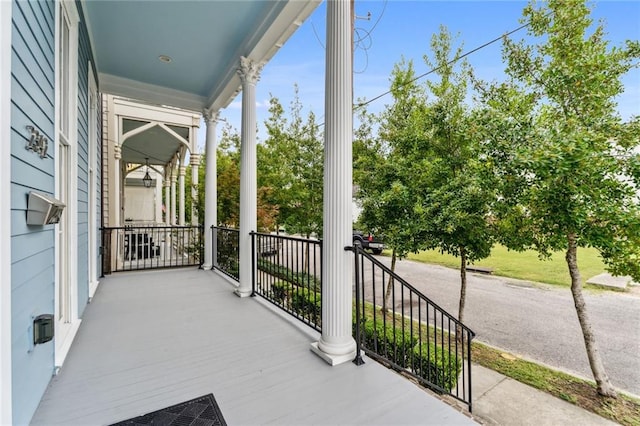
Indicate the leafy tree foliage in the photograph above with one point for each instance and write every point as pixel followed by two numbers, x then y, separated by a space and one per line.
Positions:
pixel 290 168
pixel 453 187
pixel 567 160
pixel 383 174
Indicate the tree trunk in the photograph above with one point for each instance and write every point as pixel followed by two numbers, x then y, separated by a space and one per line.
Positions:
pixel 463 291
pixel 387 293
pixel 595 361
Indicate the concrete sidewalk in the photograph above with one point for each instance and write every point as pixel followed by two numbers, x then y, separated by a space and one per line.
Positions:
pixel 499 400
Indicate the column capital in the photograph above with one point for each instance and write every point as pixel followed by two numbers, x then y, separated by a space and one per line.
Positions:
pixel 210 116
pixel 117 151
pixel 194 160
pixel 249 71
pixel 182 171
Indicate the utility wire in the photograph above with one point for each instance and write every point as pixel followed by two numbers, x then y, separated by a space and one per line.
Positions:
pixel 456 59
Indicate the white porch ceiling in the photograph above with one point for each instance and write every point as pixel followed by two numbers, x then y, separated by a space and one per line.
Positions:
pixel 204 39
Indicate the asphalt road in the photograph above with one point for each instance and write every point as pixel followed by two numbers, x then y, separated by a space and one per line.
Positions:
pixel 539 321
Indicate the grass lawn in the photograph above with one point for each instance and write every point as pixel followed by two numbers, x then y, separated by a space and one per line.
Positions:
pixel 525 265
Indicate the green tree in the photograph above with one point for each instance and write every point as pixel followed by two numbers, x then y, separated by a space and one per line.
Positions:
pixel 382 173
pixel 573 158
pixel 290 168
pixel 453 188
pixel 228 169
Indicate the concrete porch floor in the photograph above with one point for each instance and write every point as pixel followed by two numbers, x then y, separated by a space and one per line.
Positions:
pixel 156 338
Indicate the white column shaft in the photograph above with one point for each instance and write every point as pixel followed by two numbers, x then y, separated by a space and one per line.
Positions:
pixel 167 199
pixel 249 72
pixel 117 186
pixel 195 163
pixel 181 195
pixel 336 345
pixel 174 178
pixel 210 187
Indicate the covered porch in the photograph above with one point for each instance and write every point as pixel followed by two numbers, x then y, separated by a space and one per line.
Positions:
pixel 156 338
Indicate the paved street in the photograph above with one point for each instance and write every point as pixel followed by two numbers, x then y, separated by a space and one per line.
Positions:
pixel 539 321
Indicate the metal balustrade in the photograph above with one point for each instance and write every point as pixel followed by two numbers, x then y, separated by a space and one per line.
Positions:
pixel 288 274
pixel 393 322
pixel 398 325
pixel 226 251
pixel 129 248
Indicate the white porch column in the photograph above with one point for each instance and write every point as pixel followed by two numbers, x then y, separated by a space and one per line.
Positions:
pixel 210 186
pixel 167 197
pixel 158 196
pixel 117 188
pixel 195 163
pixel 183 171
pixel 336 345
pixel 249 72
pixel 174 179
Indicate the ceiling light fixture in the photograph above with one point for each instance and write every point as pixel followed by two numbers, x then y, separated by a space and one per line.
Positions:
pixel 146 180
pixel 164 58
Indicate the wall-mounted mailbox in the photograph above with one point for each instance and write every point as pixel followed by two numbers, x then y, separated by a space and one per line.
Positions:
pixel 42 328
pixel 43 209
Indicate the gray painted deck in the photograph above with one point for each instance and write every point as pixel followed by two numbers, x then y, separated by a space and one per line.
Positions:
pixel 156 338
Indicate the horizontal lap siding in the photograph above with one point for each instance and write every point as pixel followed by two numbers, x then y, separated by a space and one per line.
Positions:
pixel 84 55
pixel 32 248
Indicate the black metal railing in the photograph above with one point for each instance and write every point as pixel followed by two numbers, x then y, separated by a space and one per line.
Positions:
pixel 396 324
pixel 288 274
pixel 129 248
pixel 226 250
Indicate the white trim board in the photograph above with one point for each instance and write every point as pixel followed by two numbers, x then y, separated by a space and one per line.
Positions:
pixel 5 213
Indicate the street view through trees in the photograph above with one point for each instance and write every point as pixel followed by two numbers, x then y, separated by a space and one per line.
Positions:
pixel 541 160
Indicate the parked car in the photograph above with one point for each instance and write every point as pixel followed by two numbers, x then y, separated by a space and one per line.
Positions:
pixel 368 241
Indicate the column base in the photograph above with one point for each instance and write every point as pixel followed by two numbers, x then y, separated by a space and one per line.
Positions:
pixel 243 293
pixel 330 358
pixel 207 267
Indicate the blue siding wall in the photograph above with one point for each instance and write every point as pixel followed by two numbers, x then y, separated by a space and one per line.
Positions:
pixel 83 167
pixel 32 248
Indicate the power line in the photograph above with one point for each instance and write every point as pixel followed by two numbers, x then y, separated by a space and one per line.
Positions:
pixel 456 59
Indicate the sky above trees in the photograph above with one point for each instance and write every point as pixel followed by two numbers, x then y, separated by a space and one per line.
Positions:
pixel 399 29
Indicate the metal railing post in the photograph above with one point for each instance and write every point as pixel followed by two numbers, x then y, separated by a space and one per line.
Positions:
pixel 356 247
pixel 253 263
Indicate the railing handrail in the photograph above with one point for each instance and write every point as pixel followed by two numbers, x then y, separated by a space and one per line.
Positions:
pixel 404 283
pixel 288 237
pixel 402 356
pixel 128 227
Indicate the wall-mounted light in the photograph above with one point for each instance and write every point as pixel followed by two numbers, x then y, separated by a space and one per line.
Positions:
pixel 146 180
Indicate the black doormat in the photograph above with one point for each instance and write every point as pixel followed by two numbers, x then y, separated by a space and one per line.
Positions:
pixel 202 411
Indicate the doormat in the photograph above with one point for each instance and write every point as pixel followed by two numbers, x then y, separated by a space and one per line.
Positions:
pixel 202 411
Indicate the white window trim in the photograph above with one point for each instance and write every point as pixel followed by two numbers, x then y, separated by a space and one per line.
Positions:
pixel 93 108
pixel 5 214
pixel 65 335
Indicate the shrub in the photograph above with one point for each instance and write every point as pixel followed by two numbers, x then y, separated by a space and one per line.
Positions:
pixel 280 293
pixel 307 303
pixel 282 272
pixel 390 342
pixel 436 365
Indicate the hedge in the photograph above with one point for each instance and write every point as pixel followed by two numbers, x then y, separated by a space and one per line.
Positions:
pixel 389 342
pixel 436 365
pixel 307 303
pixel 282 272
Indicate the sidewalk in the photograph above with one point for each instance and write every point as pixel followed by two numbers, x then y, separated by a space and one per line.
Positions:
pixel 499 400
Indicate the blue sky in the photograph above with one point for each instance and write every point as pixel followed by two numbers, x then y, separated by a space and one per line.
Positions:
pixel 404 28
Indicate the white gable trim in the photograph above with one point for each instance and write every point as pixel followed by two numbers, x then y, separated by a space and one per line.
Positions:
pixel 5 213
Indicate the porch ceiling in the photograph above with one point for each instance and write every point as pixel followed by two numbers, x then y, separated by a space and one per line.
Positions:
pixel 204 40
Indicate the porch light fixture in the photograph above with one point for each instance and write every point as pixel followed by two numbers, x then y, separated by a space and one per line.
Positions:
pixel 146 180
pixel 164 58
